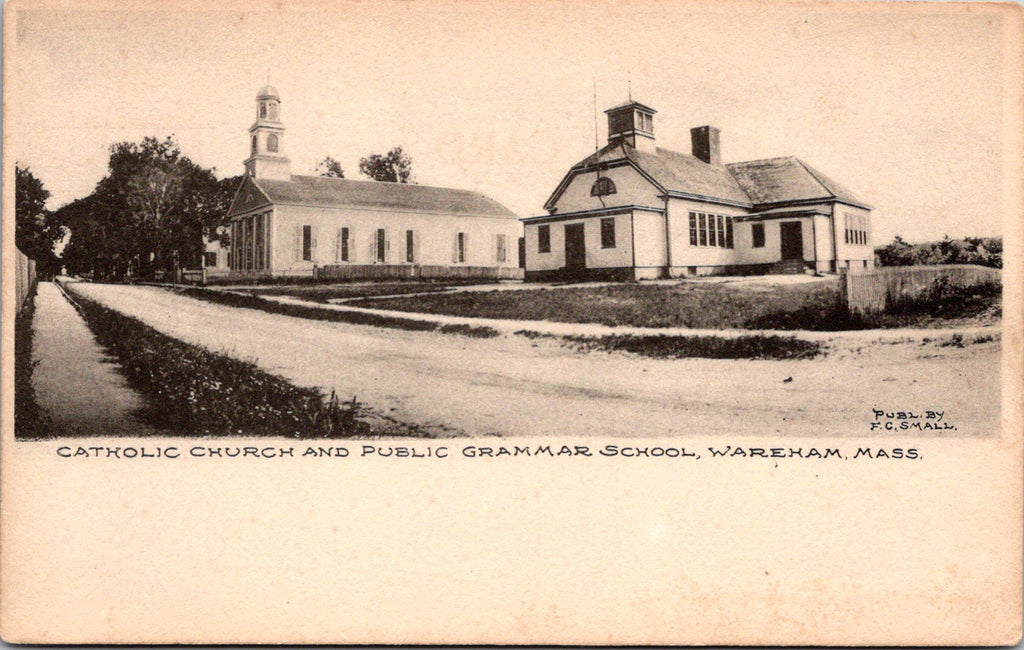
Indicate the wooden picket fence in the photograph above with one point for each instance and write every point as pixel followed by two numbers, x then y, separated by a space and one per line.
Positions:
pixel 24 278
pixel 871 290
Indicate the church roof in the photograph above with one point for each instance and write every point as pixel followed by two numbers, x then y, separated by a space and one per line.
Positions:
pixel 757 183
pixel 338 193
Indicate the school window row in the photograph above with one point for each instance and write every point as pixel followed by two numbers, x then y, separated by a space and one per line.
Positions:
pixel 305 244
pixel 856 229
pixel 710 230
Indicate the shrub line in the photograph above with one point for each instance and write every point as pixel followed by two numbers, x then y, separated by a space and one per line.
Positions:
pixel 195 392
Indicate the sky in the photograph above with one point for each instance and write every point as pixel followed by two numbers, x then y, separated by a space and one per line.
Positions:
pixel 903 103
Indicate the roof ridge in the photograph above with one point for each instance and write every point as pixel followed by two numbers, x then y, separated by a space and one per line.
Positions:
pixel 761 160
pixel 391 183
pixel 816 177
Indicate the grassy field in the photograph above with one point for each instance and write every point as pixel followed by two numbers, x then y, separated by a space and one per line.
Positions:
pixel 747 305
pixel 324 293
pixel 687 304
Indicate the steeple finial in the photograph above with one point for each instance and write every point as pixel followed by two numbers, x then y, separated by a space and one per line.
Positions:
pixel 629 85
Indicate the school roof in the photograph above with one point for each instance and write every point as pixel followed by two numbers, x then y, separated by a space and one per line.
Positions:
pixel 756 184
pixel 319 191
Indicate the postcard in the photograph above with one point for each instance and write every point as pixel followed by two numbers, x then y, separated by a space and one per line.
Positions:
pixel 440 322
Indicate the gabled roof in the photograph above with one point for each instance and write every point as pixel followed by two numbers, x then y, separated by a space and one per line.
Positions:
pixel 784 180
pixel 758 184
pixel 340 193
pixel 670 170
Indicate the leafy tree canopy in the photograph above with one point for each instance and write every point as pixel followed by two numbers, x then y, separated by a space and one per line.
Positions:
pixel 330 168
pixel 394 167
pixel 152 211
pixel 986 251
pixel 36 228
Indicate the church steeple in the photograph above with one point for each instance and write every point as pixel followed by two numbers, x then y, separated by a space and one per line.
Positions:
pixel 266 137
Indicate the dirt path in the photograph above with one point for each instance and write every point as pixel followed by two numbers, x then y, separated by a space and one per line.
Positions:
pixel 75 383
pixel 512 386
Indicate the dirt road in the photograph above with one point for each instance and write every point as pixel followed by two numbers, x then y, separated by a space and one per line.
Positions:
pixel 509 386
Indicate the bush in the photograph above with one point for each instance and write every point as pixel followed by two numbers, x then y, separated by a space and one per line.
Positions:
pixel 753 346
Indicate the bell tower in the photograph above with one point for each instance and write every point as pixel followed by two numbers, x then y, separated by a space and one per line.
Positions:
pixel 266 137
pixel 632 123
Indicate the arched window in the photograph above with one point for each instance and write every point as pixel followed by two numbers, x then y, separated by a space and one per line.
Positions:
pixel 602 186
pixel 263 110
pixel 254 145
pixel 273 111
pixel 272 143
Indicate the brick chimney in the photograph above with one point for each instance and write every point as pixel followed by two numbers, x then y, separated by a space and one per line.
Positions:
pixel 705 145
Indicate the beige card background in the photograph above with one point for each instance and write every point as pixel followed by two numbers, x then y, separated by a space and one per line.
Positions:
pixel 528 550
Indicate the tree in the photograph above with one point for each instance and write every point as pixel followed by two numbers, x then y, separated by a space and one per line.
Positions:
pixel 330 168
pixel 36 230
pixel 394 167
pixel 152 211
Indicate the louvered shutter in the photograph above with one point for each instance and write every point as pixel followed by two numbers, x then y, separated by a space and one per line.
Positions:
pixel 297 243
pixel 312 243
pixel 455 248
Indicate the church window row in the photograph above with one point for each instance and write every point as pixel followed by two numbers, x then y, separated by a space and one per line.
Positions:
pixel 710 230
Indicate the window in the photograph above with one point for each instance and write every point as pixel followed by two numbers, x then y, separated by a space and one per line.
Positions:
pixel 712 230
pixel 703 229
pixel 263 110
pixel 381 244
pixel 254 145
pixel 721 231
pixel 273 111
pixel 856 229
pixel 757 233
pixel 410 246
pixel 307 243
pixel 210 259
pixel 544 239
pixel 728 232
pixel 341 253
pixel 272 143
pixel 608 232
pixel 460 247
pixel 500 253
pixel 693 229
pixel 602 186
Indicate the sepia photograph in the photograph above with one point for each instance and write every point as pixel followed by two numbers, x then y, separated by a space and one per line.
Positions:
pixel 360 257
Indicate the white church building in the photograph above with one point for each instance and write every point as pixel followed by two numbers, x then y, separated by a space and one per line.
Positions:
pixel 289 225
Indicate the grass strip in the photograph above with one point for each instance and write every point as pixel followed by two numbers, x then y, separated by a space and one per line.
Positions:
pixel 30 421
pixel 195 392
pixel 313 312
pixel 664 346
pixel 326 293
